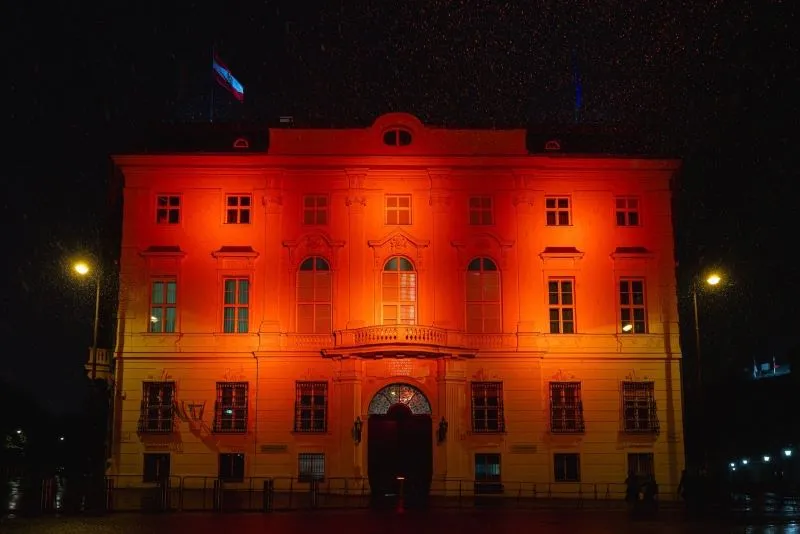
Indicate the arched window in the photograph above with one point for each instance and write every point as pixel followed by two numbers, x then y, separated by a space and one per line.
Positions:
pixel 483 297
pixel 399 292
pixel 314 296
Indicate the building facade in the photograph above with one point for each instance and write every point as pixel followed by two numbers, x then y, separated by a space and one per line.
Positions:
pixel 398 301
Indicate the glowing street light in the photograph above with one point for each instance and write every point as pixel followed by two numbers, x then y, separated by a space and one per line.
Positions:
pixel 766 458
pixel 787 452
pixel 83 269
pixel 713 279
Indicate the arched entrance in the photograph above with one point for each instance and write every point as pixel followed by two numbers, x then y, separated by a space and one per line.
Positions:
pixel 400 444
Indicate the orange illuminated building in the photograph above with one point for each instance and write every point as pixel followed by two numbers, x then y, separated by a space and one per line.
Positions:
pixel 359 305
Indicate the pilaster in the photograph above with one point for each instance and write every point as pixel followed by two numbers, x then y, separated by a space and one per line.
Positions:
pixel 526 257
pixel 451 457
pixel 349 399
pixel 356 203
pixel 273 207
pixel 441 204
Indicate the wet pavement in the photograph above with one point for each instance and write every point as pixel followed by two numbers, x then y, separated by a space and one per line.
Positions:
pixel 390 522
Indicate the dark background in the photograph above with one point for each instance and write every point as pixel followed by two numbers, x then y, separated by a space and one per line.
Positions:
pixel 714 83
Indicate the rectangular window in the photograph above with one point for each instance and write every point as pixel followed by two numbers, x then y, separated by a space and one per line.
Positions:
pixel 567 467
pixel 315 209
pixel 557 211
pixel 561 302
pixel 566 408
pixel 231 467
pixel 237 209
pixel 156 467
pixel 487 474
pixel 168 209
pixel 487 407
pixel 157 407
pixel 632 306
pixel 641 464
pixel 163 306
pixel 627 209
pixel 480 211
pixel 398 209
pixel 639 407
pixel 311 407
pixel 311 467
pixel 236 306
pixel 230 409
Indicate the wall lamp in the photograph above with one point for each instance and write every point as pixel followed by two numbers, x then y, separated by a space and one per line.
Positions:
pixel 442 432
pixel 358 426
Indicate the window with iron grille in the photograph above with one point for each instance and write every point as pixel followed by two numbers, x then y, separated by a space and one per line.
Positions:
pixel 399 291
pixel 567 467
pixel 230 408
pixel 557 211
pixel 398 209
pixel 237 209
pixel 641 463
pixel 487 467
pixel 311 407
pixel 566 408
pixel 158 399
pixel 561 302
pixel 236 305
pixel 315 209
pixel 311 467
pixel 627 209
pixel 314 296
pixel 487 407
pixel 231 467
pixel 480 211
pixel 168 209
pixel 639 407
pixel 632 306
pixel 483 297
pixel 163 305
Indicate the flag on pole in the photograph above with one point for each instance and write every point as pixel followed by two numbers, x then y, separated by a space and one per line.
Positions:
pixel 226 80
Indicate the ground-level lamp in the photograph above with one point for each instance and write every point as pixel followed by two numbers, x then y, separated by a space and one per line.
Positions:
pixel 84 269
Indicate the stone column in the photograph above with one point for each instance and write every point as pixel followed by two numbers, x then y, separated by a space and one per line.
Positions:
pixel 441 263
pixel 452 460
pixel 349 401
pixel 526 260
pixel 357 247
pixel 270 327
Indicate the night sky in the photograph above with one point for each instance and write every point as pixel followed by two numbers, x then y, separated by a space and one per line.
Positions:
pixel 716 80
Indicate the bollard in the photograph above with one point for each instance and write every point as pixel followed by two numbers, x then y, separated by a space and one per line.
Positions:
pixel 314 489
pixel 269 494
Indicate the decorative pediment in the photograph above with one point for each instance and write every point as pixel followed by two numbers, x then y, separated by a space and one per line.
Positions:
pixel 398 242
pixel 313 244
pixel 632 253
pixel 163 259
pixel 235 256
pixel 483 244
pixel 163 251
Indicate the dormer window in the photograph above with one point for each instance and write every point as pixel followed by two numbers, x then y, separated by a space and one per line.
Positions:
pixel 397 137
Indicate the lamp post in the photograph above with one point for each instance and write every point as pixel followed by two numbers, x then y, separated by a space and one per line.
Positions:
pixel 84 269
pixel 713 279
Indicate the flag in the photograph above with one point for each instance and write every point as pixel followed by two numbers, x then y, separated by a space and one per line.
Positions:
pixel 225 79
pixel 576 75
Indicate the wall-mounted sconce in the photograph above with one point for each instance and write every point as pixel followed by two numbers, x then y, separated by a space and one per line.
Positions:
pixel 442 432
pixel 357 427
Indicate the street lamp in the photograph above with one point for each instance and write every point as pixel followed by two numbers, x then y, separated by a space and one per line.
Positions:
pixel 712 279
pixel 84 269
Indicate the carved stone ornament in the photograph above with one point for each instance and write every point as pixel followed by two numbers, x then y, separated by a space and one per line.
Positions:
pixel 234 376
pixel 398 242
pixel 485 244
pixel 313 244
pixel 563 376
pixel 356 202
pixel 482 376
pixel 632 377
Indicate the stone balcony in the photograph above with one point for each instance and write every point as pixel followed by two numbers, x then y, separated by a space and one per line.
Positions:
pixel 400 340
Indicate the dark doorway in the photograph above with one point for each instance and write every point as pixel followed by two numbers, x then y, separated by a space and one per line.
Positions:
pixel 400 456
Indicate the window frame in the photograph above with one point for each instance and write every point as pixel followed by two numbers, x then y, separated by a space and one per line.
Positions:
pixel 399 304
pixel 560 307
pixel 561 459
pixel 232 477
pixel 237 278
pixel 165 411
pixel 556 386
pixel 312 407
pixel 480 390
pixel 312 460
pixel 639 396
pixel 631 307
pixel 556 210
pixel 314 303
pixel 164 279
pixel 398 209
pixel 315 209
pixel 240 402
pixel 483 304
pixel 481 210
pixel 635 459
pixel 238 208
pixel 147 475
pixel 626 211
pixel 169 208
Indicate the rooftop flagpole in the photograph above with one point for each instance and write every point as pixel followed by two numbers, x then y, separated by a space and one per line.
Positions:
pixel 576 75
pixel 211 103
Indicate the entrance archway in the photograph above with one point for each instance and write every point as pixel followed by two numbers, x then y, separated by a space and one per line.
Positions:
pixel 400 444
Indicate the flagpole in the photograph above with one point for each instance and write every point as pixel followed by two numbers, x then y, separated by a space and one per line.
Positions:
pixel 211 105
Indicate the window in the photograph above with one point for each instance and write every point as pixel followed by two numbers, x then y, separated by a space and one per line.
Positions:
pixel 627 209
pixel 632 310
pixel 311 407
pixel 639 407
pixel 398 209
pixel 566 408
pixel 315 209
pixel 314 297
pixel 311 467
pixel 163 306
pixel 231 467
pixel 399 291
pixel 483 297
pixel 557 211
pixel 168 209
pixel 567 467
pixel 397 137
pixel 561 302
pixel 480 211
pixel 236 306
pixel 237 209
pixel 157 407
pixel 487 474
pixel 230 408
pixel 487 407
pixel 156 467
pixel 640 464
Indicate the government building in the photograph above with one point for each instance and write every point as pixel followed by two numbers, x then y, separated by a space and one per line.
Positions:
pixel 399 307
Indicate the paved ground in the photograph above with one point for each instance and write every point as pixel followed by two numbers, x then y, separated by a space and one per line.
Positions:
pixel 366 522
